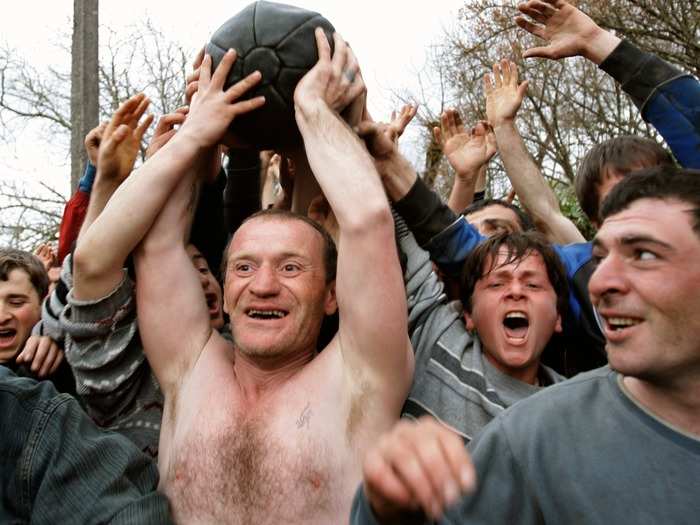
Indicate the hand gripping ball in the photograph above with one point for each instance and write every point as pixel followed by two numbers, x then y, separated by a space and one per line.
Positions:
pixel 278 40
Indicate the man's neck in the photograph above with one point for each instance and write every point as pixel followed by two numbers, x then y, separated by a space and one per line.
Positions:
pixel 260 377
pixel 527 375
pixel 679 405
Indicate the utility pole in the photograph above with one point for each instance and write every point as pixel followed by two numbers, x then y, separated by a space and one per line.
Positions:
pixel 84 104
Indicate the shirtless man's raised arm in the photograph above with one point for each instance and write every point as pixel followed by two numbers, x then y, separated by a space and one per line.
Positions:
pixel 373 328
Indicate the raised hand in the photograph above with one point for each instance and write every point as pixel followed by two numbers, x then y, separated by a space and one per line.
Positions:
pixel 192 80
pixel 417 466
pixel 47 255
pixel 382 139
pixel 465 151
pixel 503 93
pixel 41 354
pixel 335 81
pixel 121 140
pixel 165 130
pixel 568 31
pixel 213 108
pixel 92 142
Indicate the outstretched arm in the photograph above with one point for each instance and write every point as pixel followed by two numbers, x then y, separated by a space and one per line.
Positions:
pixel 99 257
pixel 173 317
pixel 503 99
pixel 373 335
pixel 666 96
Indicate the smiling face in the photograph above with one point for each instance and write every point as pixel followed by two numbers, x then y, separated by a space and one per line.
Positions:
pixel 210 287
pixel 20 310
pixel 647 290
pixel 514 311
pixel 276 292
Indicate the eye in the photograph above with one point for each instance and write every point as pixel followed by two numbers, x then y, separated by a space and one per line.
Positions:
pixel 645 255
pixel 533 286
pixel 204 270
pixel 17 302
pixel 495 284
pixel 243 268
pixel 291 267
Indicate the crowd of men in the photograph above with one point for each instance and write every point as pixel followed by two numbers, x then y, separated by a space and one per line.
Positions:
pixel 210 352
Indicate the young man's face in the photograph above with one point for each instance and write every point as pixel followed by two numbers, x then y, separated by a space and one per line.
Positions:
pixel 276 291
pixel 210 286
pixel 494 219
pixel 20 310
pixel 647 290
pixel 514 311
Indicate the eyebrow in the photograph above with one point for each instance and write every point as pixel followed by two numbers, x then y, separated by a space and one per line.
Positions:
pixel 628 240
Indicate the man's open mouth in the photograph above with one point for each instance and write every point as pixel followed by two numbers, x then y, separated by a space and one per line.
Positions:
pixel 620 323
pixel 264 315
pixel 516 325
pixel 7 335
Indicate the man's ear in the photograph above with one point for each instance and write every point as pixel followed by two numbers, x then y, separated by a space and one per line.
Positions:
pixel 469 322
pixel 330 304
pixel 225 305
pixel 557 327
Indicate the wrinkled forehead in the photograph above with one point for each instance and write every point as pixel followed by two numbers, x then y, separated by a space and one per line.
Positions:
pixel 273 234
pixel 494 219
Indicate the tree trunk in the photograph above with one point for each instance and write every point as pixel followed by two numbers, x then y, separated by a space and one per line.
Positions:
pixel 84 83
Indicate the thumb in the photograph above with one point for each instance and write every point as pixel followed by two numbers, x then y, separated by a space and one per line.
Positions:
pixel 522 89
pixel 540 52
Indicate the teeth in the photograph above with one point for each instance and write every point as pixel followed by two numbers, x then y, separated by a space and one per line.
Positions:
pixel 621 322
pixel 516 315
pixel 266 313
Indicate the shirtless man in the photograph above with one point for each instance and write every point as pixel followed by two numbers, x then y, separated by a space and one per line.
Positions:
pixel 268 430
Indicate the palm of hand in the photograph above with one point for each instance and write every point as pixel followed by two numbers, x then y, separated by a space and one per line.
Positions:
pixel 502 104
pixel 467 153
pixel 563 32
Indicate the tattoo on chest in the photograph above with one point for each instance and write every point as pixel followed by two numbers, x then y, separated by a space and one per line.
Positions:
pixel 305 417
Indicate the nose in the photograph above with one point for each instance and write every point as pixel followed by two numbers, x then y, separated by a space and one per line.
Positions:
pixel 515 289
pixel 5 313
pixel 265 282
pixel 608 279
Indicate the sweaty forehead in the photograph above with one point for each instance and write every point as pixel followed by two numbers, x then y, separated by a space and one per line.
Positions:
pixel 531 264
pixel 17 283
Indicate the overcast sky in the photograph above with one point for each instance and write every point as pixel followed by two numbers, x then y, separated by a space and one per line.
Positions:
pixel 389 37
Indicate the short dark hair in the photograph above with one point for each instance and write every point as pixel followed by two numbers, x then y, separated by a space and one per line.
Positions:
pixel 12 259
pixel 519 246
pixel 660 182
pixel 330 252
pixel 524 219
pixel 623 154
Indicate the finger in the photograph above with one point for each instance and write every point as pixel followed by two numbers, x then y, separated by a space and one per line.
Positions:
pixel 437 134
pixel 381 481
pixel 246 106
pixel 479 129
pixel 322 45
pixel 544 7
pixel 205 71
pixel 522 89
pixel 119 135
pixel 141 130
pixel 139 111
pixel 535 14
pixel 412 473
pixel 539 52
pixel 57 362
pixel 191 89
pixel 41 352
pixel 167 122
pixel 488 84
pixel 198 59
pixel 407 114
pixel 497 78
pixel 218 79
pixel 531 28
pixel 445 124
pixel 49 360
pixel 239 88
pixel 338 62
pixel 458 460
pixel 27 353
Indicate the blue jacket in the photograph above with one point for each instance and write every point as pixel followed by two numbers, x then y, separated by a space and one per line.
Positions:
pixel 56 466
